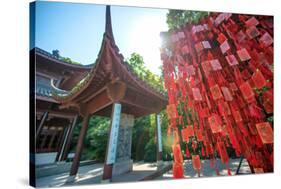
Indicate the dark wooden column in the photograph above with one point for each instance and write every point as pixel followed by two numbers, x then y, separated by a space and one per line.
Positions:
pixel 61 140
pixel 54 134
pixel 40 126
pixel 67 140
pixel 158 137
pixel 76 160
pixel 111 149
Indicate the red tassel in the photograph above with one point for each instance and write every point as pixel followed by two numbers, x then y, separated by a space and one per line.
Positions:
pixel 217 171
pixel 187 153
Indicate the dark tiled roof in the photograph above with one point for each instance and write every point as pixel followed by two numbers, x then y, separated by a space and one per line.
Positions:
pixel 51 56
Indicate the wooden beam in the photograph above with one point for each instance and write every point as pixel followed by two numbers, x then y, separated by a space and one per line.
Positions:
pixel 79 147
pixel 116 90
pixel 139 100
pixel 99 102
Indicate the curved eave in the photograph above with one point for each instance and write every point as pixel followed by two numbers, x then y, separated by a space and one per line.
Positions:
pixel 109 43
pixel 72 94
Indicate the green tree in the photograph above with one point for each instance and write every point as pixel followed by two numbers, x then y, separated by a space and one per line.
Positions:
pixel 178 18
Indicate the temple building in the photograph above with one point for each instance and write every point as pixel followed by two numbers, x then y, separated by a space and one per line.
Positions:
pixel 67 92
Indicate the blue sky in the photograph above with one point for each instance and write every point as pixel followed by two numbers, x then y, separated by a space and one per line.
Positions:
pixel 76 30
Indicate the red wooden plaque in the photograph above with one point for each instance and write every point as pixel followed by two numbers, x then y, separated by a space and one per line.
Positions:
pixel 187 132
pixel 243 55
pixel 252 22
pixel 227 94
pixel 196 94
pixel 190 70
pixel 215 64
pixel 177 153
pixel 266 39
pixel 206 44
pixel 214 124
pixel 224 47
pixel 196 162
pixel 172 111
pixel 246 91
pixel 265 132
pixel 206 68
pixel 231 59
pixel 237 116
pixel 221 38
pixel 216 92
pixel 258 79
pixel 252 32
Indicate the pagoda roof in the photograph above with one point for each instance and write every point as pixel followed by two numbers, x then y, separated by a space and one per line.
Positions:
pixel 108 77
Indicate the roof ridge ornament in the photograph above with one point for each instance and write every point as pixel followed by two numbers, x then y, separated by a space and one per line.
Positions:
pixel 108 24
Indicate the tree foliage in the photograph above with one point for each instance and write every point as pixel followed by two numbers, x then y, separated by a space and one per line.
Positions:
pixel 178 18
pixel 137 65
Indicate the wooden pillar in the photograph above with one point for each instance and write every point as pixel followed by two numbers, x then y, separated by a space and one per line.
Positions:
pixel 112 142
pixel 66 148
pixel 159 138
pixel 76 160
pixel 54 134
pixel 42 145
pixel 40 126
pixel 61 140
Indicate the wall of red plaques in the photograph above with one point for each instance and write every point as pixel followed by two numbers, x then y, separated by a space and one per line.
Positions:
pixel 219 78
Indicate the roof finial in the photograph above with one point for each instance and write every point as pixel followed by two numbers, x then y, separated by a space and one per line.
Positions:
pixel 108 26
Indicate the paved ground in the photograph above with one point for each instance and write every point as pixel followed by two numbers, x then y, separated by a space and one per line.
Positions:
pixel 208 171
pixel 92 174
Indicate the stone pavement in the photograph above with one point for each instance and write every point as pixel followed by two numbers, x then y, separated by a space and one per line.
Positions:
pixel 92 174
pixel 208 171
